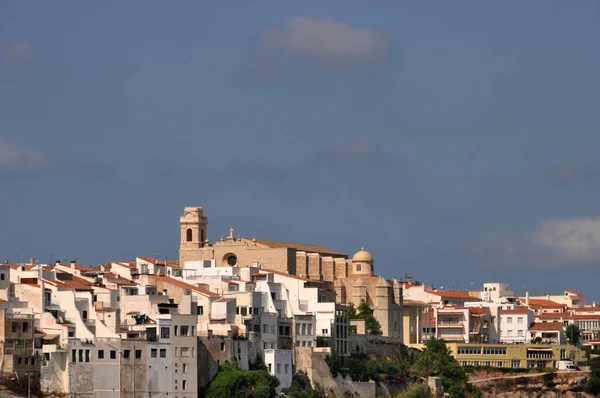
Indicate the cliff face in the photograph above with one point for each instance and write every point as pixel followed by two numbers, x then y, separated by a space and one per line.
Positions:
pixel 569 385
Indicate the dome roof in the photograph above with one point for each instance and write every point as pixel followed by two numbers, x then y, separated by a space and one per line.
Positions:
pixel 362 256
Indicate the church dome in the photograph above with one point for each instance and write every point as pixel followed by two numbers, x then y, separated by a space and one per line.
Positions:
pixel 362 256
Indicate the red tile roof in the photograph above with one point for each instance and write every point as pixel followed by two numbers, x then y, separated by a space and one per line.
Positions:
pixel 554 315
pixel 454 294
pixel 515 311
pixel 541 303
pixel 541 326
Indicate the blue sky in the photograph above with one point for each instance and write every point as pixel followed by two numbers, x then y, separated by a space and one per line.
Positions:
pixel 456 141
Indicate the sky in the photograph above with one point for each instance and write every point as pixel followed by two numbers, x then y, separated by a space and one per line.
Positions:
pixel 456 141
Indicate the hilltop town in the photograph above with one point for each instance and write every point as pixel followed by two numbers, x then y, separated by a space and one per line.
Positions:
pixel 162 328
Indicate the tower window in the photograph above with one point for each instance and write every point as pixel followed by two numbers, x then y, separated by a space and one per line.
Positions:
pixel 358 267
pixel 188 235
pixel 202 237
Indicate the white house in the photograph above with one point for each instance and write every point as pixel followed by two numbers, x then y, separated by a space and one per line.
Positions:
pixel 514 325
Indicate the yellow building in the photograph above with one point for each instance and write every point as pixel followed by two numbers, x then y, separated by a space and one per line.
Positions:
pixel 513 355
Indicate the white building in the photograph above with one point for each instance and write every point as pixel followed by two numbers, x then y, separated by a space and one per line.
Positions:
pixel 279 364
pixel 514 325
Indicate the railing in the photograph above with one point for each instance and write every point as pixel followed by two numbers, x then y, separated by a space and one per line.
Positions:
pixel 14 345
pixel 450 324
pixel 90 322
pixel 19 316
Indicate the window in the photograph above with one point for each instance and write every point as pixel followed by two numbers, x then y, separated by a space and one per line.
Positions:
pixel 278 368
pixel 520 319
pixel 324 332
pixel 20 360
pixel 184 368
pixel 87 355
pixel 80 355
pixel 509 333
pixel 185 331
pixel 509 319
pixel 270 368
pixel 126 354
pixel 153 353
pixel 222 346
pixel 265 328
pixel 1 277
pixel 25 327
pixel 163 352
pixel 185 351
pixel 84 315
pixel 14 327
pixel 193 352
pixel 358 267
pixel 176 330
pixel 113 354
pixel 73 355
pixel 100 354
pixel 309 330
pixel 273 331
pixel 200 310
pixel 165 332
pixel 287 368
pixel 520 333
pixel 184 384
pixel 138 354
pixel 188 235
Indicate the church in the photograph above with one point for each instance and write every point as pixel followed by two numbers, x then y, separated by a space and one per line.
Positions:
pixel 353 280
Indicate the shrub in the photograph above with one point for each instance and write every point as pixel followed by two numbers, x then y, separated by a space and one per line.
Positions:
pixel 417 391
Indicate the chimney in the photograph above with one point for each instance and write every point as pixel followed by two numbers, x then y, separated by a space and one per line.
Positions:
pixel 548 296
pixel 57 262
pixel 73 263
pixel 527 298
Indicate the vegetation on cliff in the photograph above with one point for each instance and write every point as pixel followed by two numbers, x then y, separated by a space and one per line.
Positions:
pixel 364 312
pixel 232 382
pixel 434 360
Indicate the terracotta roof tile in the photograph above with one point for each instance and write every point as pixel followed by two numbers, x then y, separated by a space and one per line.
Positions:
pixel 454 295
pixel 546 326
pixel 541 303
pixel 554 315
pixel 515 311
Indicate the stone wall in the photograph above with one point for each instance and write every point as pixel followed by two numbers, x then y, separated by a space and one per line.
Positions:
pixel 374 345
pixel 317 370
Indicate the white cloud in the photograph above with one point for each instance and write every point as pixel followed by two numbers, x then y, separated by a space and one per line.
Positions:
pixel 576 239
pixel 14 55
pixel 554 242
pixel 17 158
pixel 324 41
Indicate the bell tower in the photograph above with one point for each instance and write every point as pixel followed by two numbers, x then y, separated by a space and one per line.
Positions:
pixel 193 228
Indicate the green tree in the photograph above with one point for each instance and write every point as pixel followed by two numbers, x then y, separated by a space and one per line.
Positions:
pixel 232 382
pixel 573 334
pixel 365 313
pixel 436 360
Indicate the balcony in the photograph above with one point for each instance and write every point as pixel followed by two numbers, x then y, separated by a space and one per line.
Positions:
pixel 18 347
pixel 451 337
pixel 51 348
pixel 19 316
pixel 450 324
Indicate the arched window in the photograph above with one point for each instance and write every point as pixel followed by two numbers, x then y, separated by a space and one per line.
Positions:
pixel 202 237
pixel 188 235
